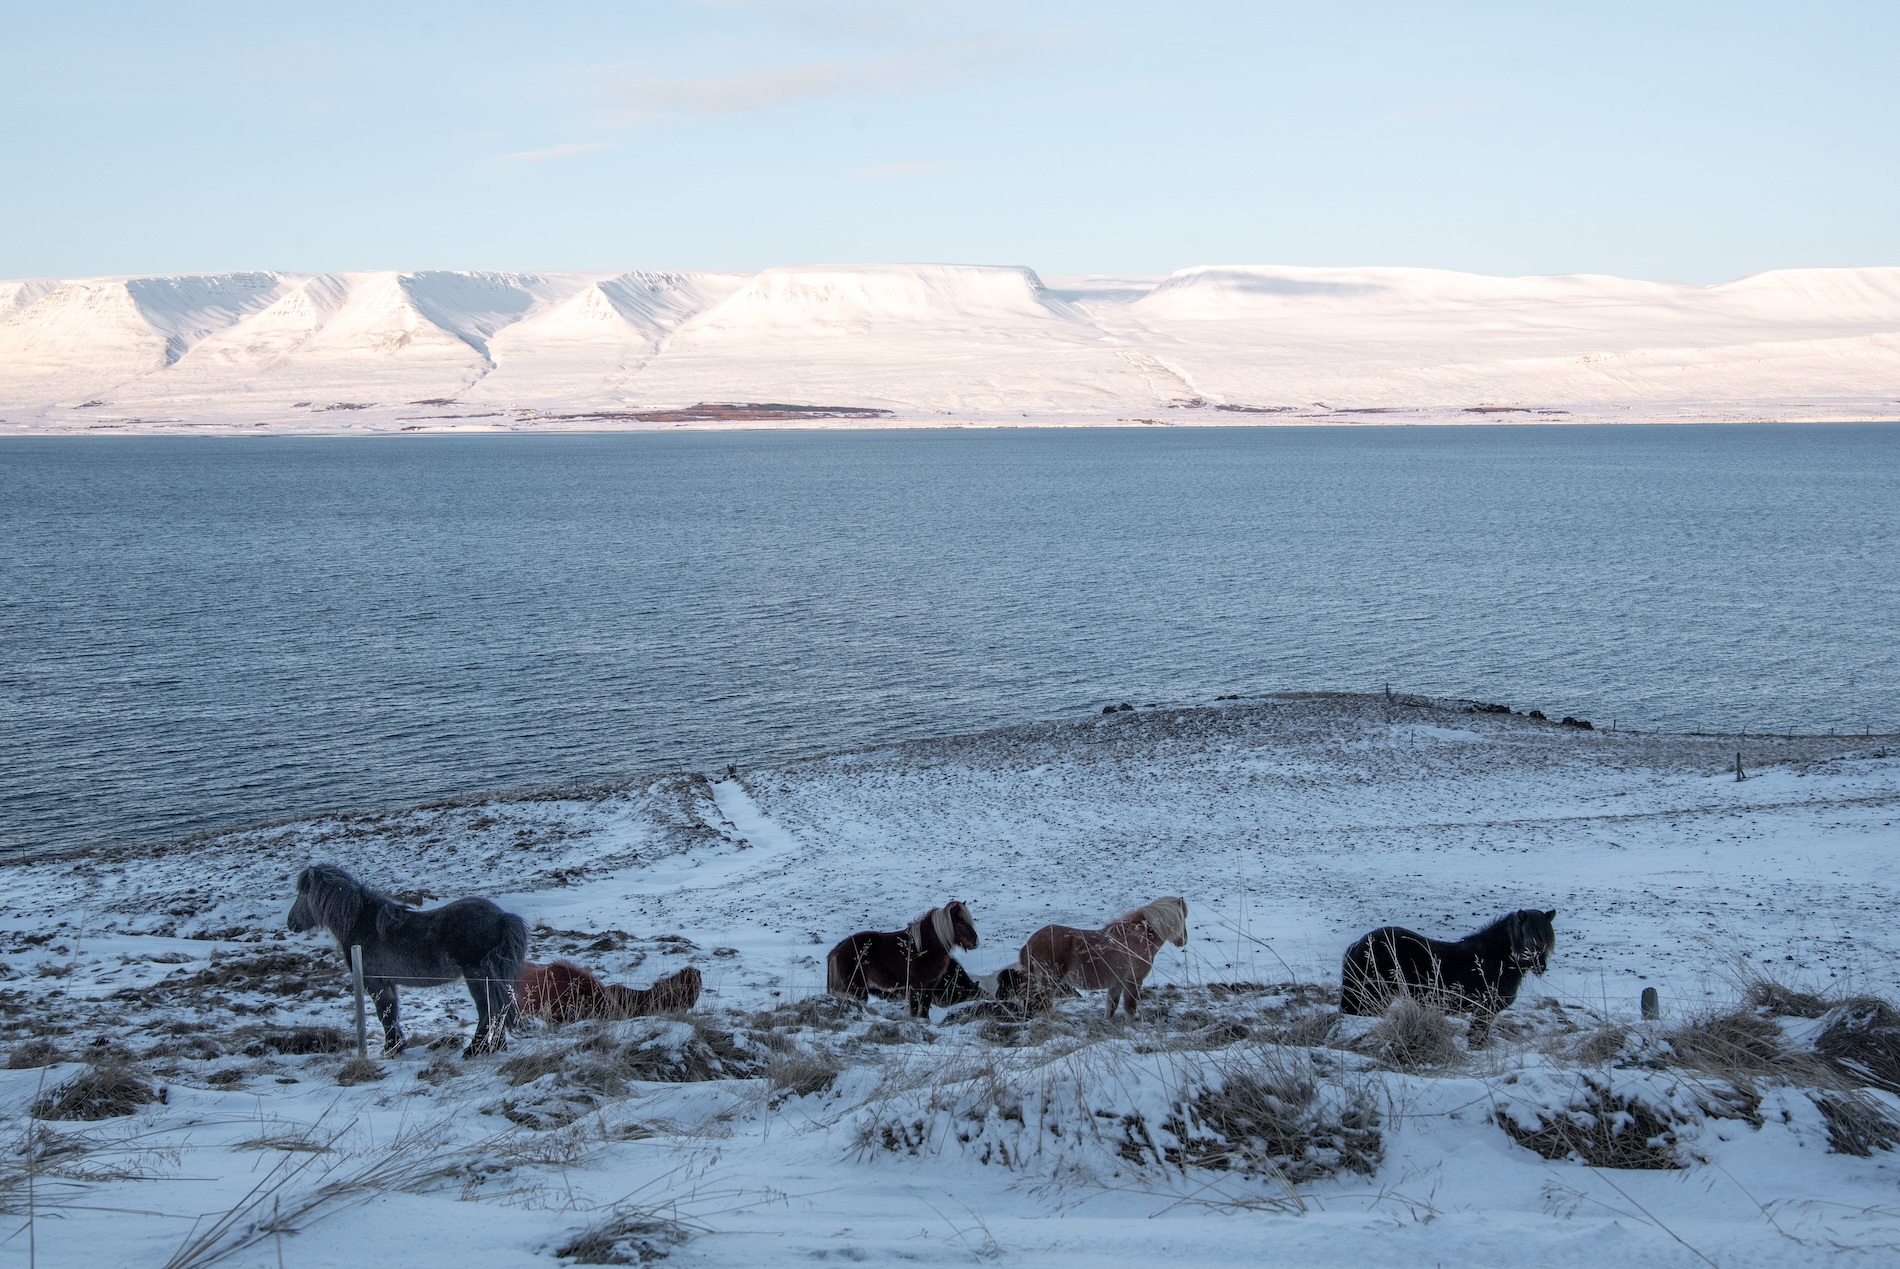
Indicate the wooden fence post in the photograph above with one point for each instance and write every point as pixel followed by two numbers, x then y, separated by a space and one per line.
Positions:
pixel 1652 1005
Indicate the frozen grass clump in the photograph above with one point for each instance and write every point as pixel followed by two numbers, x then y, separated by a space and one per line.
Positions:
pixel 1860 1039
pixel 800 1074
pixel 1737 1044
pixel 1856 1125
pixel 624 1238
pixel 299 1041
pixel 1604 1128
pixel 1414 1035
pixel 359 1070
pixel 649 1050
pixel 1275 1113
pixel 105 1091
pixel 36 1052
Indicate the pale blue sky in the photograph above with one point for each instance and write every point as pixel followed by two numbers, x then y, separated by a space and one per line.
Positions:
pixel 1693 141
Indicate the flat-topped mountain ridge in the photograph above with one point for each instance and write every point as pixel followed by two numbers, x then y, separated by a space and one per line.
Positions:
pixel 942 343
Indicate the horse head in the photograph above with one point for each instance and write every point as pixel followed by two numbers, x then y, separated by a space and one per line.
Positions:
pixel 327 896
pixel 1532 937
pixel 1167 919
pixel 962 925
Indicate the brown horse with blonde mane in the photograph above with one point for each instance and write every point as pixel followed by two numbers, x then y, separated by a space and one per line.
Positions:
pixel 912 961
pixel 1117 957
pixel 564 992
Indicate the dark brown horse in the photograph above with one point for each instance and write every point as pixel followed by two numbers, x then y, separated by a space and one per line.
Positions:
pixel 1117 957
pixel 912 961
pixel 564 992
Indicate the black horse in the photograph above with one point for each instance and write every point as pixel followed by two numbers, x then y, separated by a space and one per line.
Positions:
pixel 1479 974
pixel 955 987
pixel 469 939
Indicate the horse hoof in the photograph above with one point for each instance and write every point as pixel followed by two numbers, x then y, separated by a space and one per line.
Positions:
pixel 392 1047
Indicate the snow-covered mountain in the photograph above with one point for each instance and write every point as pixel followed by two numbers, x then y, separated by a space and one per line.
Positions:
pixel 939 343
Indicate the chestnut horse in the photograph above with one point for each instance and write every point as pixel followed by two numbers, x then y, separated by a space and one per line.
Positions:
pixel 912 961
pixel 564 992
pixel 1117 957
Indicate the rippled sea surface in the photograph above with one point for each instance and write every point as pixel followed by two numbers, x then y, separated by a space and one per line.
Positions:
pixel 203 632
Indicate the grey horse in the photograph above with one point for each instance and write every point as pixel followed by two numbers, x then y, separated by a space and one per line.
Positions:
pixel 469 939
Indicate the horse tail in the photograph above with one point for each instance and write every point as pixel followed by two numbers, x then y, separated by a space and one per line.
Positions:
pixel 531 989
pixel 834 970
pixel 500 970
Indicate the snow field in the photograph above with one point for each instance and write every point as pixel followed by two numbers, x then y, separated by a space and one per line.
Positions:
pixel 1238 1120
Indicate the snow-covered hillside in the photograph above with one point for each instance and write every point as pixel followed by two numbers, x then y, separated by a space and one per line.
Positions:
pixel 1240 1120
pixel 942 344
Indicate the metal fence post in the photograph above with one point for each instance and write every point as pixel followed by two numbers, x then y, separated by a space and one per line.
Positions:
pixel 356 977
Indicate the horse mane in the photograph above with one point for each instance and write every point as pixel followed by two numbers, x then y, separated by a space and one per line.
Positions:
pixel 336 898
pixel 1513 927
pixel 940 923
pixel 1506 924
pixel 1167 917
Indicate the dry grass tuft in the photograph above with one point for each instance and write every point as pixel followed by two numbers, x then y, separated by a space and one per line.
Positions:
pixel 359 1070
pixel 1604 1130
pixel 1736 1045
pixel 1307 1029
pixel 525 1068
pixel 33 1053
pixel 648 1050
pixel 299 1041
pixel 1414 1035
pixel 1600 1044
pixel 712 1053
pixel 624 1238
pixel 802 1074
pixel 1782 1001
pixel 1269 1116
pixel 1861 1040
pixel 103 1092
pixel 440 1070
pixel 1856 1125
pixel 824 1013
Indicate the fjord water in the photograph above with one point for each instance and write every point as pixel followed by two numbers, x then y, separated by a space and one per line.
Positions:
pixel 199 632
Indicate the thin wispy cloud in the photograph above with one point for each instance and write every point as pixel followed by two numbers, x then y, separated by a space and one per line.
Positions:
pixel 1446 109
pixel 631 97
pixel 567 151
pixel 901 171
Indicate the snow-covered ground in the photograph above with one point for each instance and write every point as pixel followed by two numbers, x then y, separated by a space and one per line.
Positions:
pixel 1239 1121
pixel 938 345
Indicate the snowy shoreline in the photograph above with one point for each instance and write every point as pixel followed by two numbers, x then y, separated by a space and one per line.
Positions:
pixel 785 1130
pixel 397 421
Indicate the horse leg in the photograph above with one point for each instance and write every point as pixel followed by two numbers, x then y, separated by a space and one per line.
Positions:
pixel 1131 998
pixel 486 1018
pixel 501 1013
pixel 384 994
pixel 920 1002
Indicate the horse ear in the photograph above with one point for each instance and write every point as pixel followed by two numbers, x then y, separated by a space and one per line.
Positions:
pixel 1551 915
